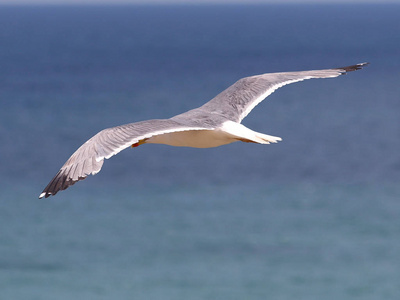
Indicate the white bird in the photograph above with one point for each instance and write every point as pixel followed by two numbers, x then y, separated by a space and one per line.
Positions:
pixel 214 124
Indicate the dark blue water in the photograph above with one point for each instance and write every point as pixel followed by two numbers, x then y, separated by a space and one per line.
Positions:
pixel 313 217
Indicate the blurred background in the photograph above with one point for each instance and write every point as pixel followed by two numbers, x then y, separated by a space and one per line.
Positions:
pixel 315 216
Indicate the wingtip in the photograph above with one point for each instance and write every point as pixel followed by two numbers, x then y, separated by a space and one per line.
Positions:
pixel 353 67
pixel 59 183
pixel 45 195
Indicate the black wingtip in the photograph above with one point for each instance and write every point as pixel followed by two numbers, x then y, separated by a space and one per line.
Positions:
pixel 58 183
pixel 353 67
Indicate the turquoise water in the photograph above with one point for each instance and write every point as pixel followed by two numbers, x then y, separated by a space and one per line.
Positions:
pixel 243 242
pixel 315 216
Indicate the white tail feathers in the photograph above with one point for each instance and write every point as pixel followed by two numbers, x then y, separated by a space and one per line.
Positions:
pixel 244 134
pixel 267 139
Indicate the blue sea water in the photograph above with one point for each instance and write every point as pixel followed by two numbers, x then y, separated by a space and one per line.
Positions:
pixel 315 216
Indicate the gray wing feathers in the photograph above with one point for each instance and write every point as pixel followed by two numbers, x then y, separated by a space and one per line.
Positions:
pixel 238 100
pixel 89 158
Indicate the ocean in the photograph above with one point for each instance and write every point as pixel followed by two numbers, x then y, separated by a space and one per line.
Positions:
pixel 315 216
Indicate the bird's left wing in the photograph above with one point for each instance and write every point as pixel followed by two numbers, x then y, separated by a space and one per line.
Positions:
pixel 89 158
pixel 236 102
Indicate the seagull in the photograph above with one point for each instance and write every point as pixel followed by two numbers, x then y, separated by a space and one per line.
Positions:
pixel 216 123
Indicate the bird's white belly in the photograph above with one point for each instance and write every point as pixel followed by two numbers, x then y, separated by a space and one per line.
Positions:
pixel 193 138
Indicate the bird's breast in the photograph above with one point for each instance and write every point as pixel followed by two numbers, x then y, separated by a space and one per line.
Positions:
pixel 193 138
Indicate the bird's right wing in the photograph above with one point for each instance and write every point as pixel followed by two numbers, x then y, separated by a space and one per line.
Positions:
pixel 236 102
pixel 89 158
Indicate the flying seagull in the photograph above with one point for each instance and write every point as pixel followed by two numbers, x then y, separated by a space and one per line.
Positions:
pixel 214 124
